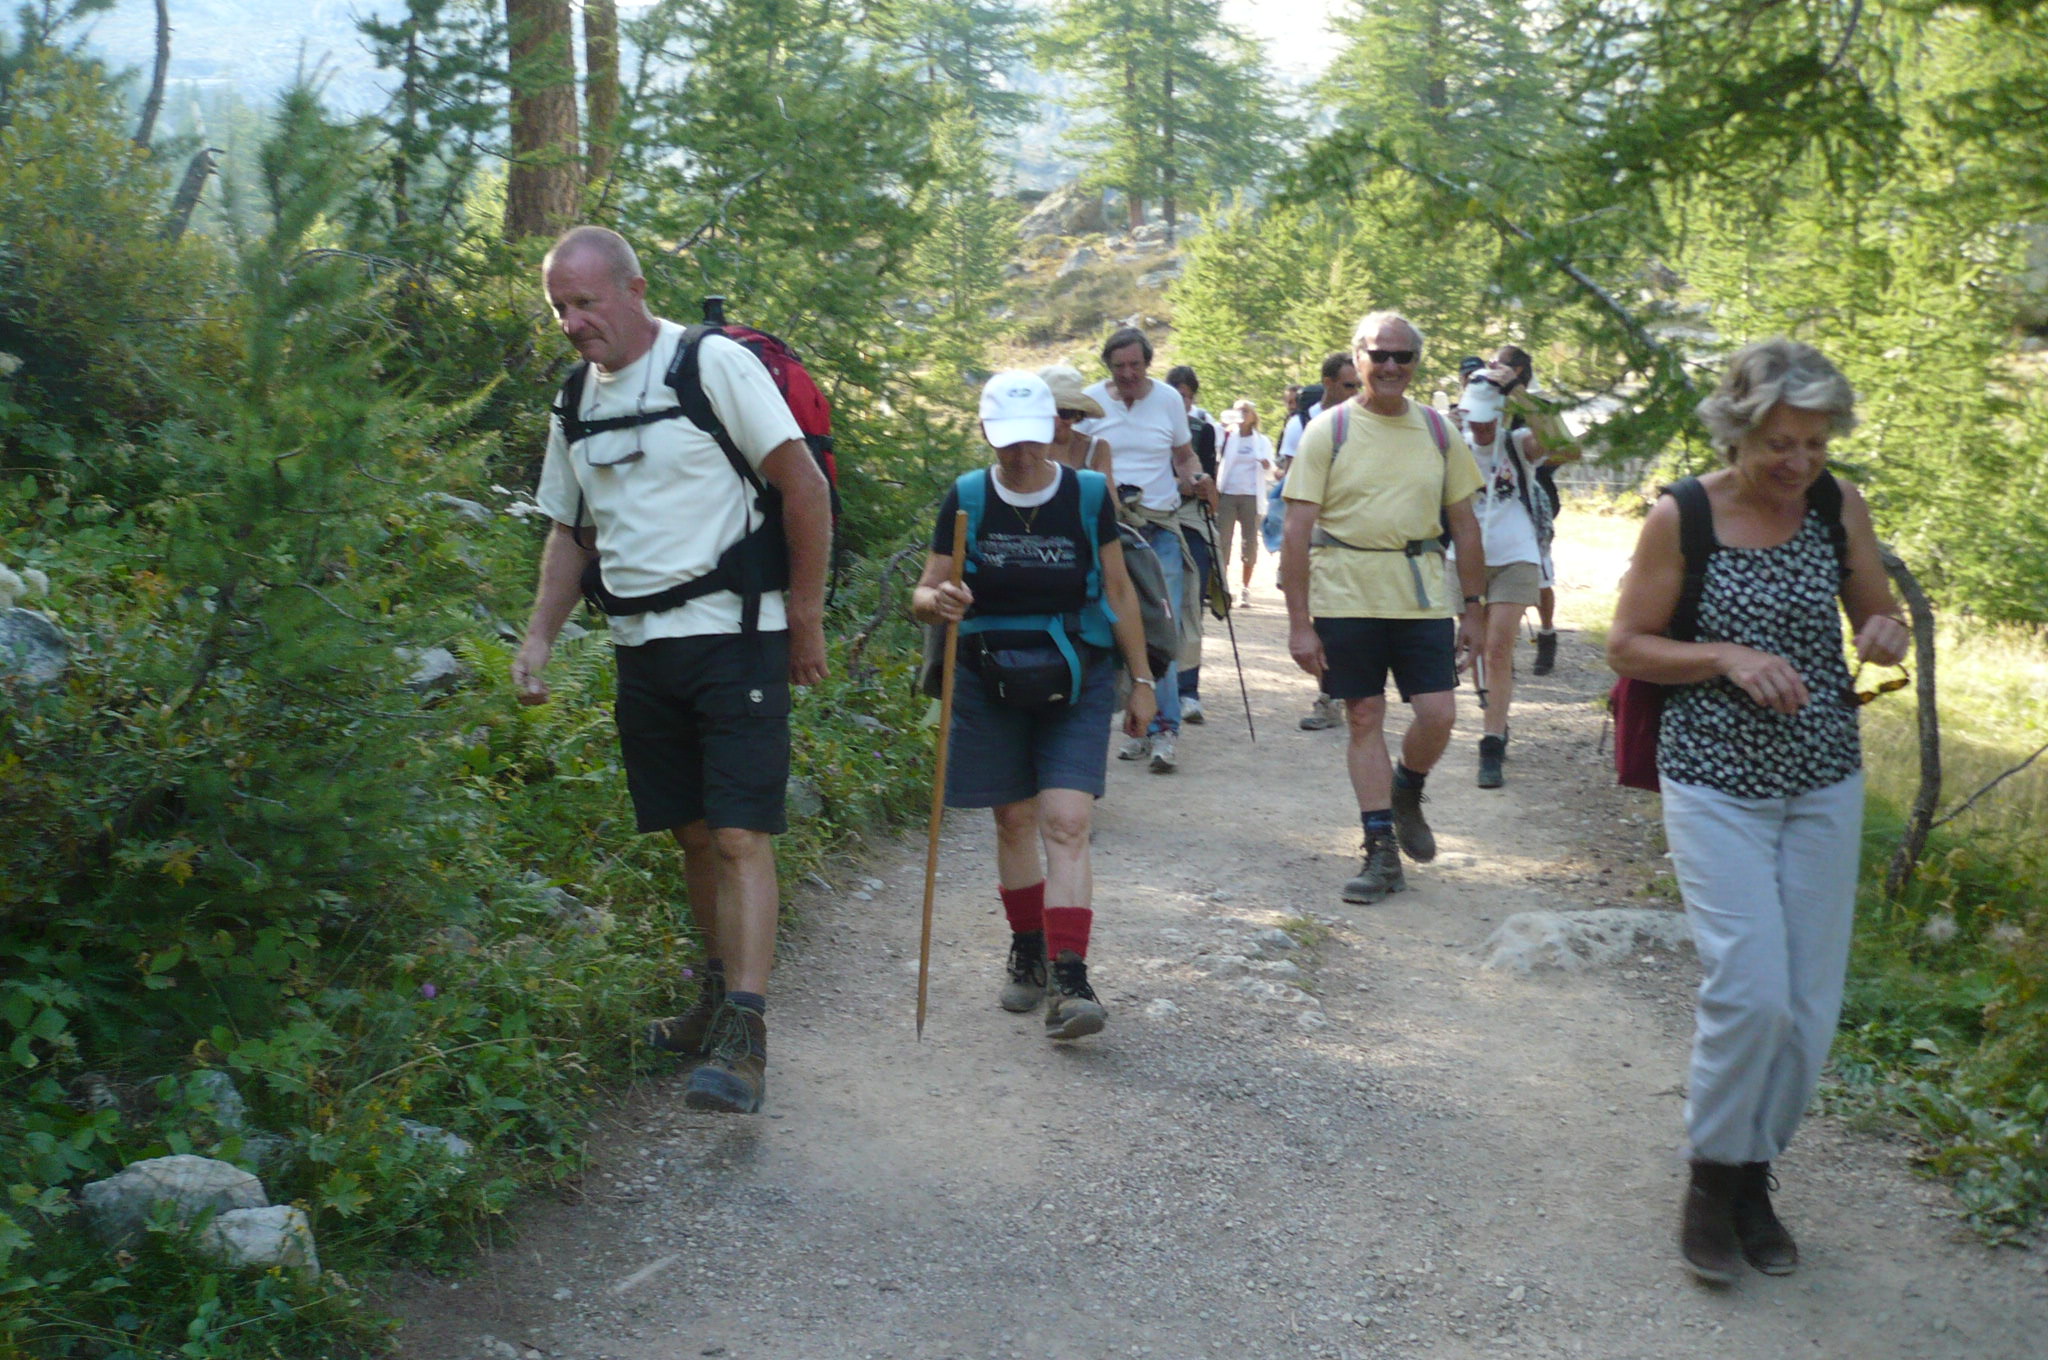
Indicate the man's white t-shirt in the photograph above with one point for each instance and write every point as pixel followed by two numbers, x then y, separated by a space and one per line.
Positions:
pixel 664 517
pixel 1290 436
pixel 1506 530
pixel 1238 460
pixel 1142 437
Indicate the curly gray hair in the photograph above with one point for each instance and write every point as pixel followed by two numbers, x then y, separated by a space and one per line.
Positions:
pixel 1772 371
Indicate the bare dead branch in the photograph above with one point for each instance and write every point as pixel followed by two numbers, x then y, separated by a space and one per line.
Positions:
pixel 717 219
pixel 1971 801
pixel 1927 798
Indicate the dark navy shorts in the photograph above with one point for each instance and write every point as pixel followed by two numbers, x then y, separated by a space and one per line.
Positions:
pixel 704 729
pixel 1421 653
pixel 1000 754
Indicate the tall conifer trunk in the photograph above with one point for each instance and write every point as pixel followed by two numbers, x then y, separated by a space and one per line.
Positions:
pixel 543 186
pixel 600 86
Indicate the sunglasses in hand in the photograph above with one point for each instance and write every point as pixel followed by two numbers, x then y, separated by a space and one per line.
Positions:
pixel 1856 698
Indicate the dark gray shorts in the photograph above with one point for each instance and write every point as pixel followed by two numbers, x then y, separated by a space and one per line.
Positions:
pixel 1000 754
pixel 1421 653
pixel 704 730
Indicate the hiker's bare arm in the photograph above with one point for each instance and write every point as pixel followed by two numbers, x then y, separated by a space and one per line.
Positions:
pixel 1881 634
pixel 1187 470
pixel 935 599
pixel 1303 642
pixel 1129 627
pixel 561 572
pixel 807 523
pixel 1471 576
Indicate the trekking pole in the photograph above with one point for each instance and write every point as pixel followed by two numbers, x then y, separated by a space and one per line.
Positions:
pixel 931 853
pixel 1216 565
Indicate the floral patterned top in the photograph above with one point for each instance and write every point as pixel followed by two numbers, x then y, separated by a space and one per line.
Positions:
pixel 1779 600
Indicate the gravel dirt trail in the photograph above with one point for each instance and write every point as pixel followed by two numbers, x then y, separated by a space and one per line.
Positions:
pixel 1364 1146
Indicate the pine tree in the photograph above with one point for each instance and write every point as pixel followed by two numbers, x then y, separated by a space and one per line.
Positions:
pixel 543 191
pixel 967 45
pixel 1180 100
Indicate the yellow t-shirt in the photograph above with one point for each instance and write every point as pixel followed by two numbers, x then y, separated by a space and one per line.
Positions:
pixel 1388 485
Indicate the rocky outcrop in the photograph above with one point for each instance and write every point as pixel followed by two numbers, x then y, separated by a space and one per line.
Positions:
pixel 1068 210
pixel 118 1206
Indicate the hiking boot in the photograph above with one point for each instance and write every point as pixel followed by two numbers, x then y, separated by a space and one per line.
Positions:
pixel 1764 1240
pixel 1706 1228
pixel 734 1074
pixel 1191 710
pixel 685 1033
pixel 1546 653
pixel 1026 966
pixel 1135 748
pixel 1492 750
pixel 1162 752
pixel 1418 842
pixel 1380 876
pixel 1323 716
pixel 1071 1009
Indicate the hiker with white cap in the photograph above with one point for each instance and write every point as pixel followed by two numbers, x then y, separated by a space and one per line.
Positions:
pixel 1513 519
pixel 1045 607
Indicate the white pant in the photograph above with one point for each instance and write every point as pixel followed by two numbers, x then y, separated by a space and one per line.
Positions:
pixel 1770 893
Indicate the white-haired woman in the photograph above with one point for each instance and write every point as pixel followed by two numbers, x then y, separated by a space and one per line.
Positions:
pixel 1761 770
pixel 1045 607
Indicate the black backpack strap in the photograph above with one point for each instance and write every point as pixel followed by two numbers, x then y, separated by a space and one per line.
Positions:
pixel 684 381
pixel 1696 544
pixel 1824 497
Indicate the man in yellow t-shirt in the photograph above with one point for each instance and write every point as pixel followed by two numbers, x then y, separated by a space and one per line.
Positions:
pixel 1375 482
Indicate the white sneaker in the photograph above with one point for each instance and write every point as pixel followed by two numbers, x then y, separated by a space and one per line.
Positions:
pixel 1162 752
pixel 1191 710
pixel 1244 600
pixel 1135 748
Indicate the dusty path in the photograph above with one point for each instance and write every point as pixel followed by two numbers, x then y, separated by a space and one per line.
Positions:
pixel 1413 1157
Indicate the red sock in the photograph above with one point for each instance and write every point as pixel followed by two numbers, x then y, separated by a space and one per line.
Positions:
pixel 1067 928
pixel 1025 907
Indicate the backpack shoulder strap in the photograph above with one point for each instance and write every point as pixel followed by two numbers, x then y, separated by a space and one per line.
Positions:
pixel 683 379
pixel 1696 544
pixel 1437 429
pixel 971 490
pixel 1340 426
pixel 1825 498
pixel 568 407
pixel 1094 491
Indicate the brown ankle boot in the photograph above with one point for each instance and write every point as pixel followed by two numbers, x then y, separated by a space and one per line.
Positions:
pixel 1706 1229
pixel 1765 1242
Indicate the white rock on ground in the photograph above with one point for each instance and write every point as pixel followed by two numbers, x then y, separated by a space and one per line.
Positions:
pixel 32 649
pixel 454 1144
pixel 118 1206
pixel 229 1109
pixel 436 671
pixel 1571 940
pixel 259 1239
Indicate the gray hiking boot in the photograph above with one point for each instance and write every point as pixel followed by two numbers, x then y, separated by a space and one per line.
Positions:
pixel 1380 876
pixel 1323 715
pixel 1492 750
pixel 1026 966
pixel 1071 1009
pixel 1418 842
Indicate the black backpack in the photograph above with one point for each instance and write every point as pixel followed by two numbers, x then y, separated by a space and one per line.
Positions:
pixel 751 567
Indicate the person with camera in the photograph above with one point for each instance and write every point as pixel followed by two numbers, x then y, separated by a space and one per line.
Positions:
pixel 1044 608
pixel 1514 520
pixel 1146 424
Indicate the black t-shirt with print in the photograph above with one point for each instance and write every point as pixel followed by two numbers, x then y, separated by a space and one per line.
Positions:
pixel 1033 560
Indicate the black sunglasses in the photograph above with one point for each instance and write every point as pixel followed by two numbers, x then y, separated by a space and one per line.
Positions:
pixel 1066 414
pixel 1399 356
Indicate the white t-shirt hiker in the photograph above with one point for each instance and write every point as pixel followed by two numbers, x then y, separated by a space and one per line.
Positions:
pixel 1239 459
pixel 662 497
pixel 1142 437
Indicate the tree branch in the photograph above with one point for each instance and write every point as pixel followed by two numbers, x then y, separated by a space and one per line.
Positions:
pixel 1969 802
pixel 717 219
pixel 1920 820
pixel 145 128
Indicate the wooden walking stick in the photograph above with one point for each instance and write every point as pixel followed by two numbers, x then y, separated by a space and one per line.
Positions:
pixel 931 852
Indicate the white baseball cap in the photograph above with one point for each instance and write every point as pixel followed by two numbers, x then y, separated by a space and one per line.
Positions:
pixel 1482 401
pixel 1017 408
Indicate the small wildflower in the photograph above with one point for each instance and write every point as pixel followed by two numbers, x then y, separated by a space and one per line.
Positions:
pixel 1939 929
pixel 429 990
pixel 689 973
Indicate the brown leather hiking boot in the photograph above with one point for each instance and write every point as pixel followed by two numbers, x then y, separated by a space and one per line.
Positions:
pixel 685 1033
pixel 1411 828
pixel 734 1074
pixel 1380 876
pixel 1766 1244
pixel 1071 1008
pixel 1706 1228
pixel 1546 653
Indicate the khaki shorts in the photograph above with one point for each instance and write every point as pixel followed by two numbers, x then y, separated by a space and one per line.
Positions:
pixel 1514 583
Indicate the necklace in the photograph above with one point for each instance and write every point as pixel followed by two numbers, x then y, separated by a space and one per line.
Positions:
pixel 1028 514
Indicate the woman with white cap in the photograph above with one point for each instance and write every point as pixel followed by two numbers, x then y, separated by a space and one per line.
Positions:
pixel 1072 405
pixel 1045 607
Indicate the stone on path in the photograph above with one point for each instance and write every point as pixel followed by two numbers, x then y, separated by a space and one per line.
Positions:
pixel 1572 940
